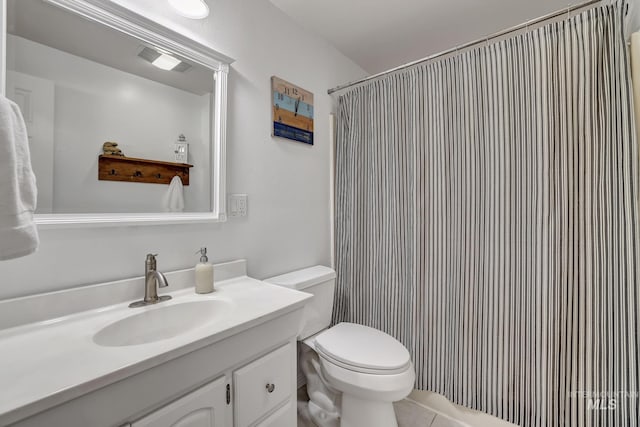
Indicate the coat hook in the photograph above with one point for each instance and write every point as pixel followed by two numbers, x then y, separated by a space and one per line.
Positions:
pixel 158 176
pixel 138 174
pixel 113 172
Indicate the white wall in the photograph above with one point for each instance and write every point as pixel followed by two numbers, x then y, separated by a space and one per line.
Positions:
pixel 634 16
pixel 95 103
pixel 287 182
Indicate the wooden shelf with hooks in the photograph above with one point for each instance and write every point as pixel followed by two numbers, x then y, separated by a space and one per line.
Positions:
pixel 130 169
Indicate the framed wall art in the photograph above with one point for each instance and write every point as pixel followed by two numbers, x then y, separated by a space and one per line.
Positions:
pixel 292 111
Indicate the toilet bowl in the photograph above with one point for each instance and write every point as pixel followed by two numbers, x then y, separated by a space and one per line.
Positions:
pixel 354 373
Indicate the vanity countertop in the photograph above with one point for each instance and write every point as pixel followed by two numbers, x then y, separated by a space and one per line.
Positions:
pixel 47 363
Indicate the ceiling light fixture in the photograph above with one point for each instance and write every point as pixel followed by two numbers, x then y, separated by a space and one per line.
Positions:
pixel 166 62
pixel 194 9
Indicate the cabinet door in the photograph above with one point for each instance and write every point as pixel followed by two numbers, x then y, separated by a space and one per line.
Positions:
pixel 205 407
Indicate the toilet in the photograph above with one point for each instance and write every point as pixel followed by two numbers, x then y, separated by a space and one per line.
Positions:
pixel 354 373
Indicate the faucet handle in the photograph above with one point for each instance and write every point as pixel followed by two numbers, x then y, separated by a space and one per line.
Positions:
pixel 150 262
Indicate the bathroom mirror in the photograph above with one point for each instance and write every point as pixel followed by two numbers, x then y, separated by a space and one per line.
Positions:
pixel 86 73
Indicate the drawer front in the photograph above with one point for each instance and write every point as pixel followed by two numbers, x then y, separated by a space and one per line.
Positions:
pixel 283 417
pixel 263 385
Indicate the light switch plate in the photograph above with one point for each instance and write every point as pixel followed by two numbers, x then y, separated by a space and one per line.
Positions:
pixel 238 205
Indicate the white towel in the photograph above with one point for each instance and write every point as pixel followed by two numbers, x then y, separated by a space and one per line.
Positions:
pixel 18 194
pixel 173 201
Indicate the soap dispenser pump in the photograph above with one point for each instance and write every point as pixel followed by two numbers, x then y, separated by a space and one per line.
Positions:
pixel 204 273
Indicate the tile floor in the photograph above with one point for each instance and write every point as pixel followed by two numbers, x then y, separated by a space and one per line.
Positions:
pixel 409 414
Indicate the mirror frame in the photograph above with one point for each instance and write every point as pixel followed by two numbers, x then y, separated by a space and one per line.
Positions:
pixel 126 21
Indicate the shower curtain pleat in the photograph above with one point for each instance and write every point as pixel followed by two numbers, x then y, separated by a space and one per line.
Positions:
pixel 487 217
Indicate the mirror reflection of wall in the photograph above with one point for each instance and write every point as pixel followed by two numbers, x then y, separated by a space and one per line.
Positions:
pixel 81 84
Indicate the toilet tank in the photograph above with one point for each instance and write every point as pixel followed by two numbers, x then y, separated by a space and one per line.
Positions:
pixel 319 281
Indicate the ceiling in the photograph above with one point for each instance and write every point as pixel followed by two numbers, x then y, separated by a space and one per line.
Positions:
pixel 381 34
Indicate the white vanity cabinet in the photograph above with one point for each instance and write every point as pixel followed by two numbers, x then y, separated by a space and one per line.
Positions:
pixel 205 407
pixel 258 365
pixel 262 396
pixel 233 366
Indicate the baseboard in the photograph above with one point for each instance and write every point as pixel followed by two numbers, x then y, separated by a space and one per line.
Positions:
pixel 466 417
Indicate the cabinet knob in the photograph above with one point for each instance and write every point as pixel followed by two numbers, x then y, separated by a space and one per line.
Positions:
pixel 271 387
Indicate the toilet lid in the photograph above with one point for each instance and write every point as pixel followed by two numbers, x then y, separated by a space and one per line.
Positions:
pixel 359 346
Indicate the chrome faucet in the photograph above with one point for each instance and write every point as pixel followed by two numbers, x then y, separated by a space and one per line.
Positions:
pixel 153 280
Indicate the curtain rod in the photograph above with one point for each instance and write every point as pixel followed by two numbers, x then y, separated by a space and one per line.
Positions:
pixel 486 39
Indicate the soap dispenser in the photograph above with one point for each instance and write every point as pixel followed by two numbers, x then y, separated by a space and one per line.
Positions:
pixel 204 273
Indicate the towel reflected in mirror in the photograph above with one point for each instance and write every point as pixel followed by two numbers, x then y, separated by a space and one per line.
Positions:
pixel 173 200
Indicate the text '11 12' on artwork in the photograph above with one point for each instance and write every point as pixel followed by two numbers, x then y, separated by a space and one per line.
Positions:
pixel 292 111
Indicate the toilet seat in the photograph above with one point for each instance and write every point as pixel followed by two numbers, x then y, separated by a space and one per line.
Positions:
pixel 362 349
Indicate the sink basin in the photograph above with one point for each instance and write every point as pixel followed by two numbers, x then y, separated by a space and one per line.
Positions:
pixel 161 322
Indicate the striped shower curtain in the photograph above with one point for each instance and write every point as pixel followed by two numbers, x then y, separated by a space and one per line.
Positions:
pixel 487 217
